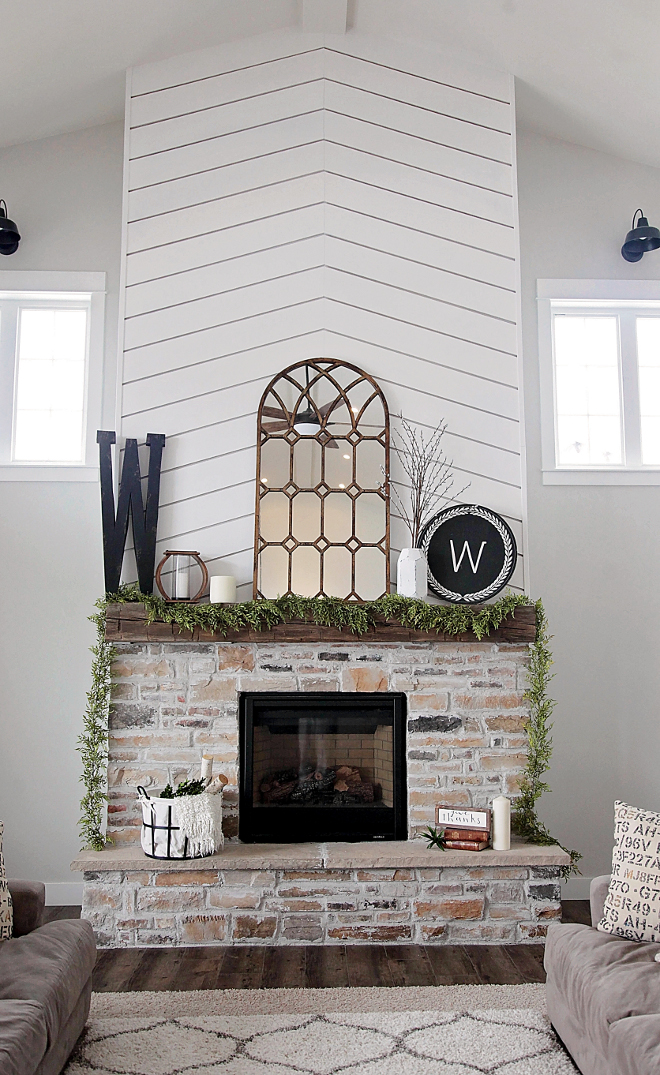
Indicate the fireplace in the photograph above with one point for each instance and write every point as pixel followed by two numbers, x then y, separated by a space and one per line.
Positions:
pixel 322 766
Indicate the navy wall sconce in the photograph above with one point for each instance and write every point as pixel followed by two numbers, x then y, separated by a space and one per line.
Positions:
pixel 9 234
pixel 640 239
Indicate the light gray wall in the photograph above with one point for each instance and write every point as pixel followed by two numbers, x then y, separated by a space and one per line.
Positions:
pixel 65 195
pixel 593 550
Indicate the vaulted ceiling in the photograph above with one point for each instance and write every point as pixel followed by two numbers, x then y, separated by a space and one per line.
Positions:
pixel 585 71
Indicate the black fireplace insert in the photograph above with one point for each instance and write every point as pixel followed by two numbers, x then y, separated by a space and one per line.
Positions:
pixel 322 766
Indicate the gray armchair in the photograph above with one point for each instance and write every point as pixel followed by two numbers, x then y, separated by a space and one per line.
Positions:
pixel 603 995
pixel 45 986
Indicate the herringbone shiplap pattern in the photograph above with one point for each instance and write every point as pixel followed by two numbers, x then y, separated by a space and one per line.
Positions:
pixel 294 196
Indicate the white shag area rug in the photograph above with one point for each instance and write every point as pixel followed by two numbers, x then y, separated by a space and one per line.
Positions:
pixel 445 1030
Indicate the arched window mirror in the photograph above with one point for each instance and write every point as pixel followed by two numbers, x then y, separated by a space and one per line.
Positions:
pixel 322 525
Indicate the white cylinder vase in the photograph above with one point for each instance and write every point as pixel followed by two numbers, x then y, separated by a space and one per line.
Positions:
pixel 412 574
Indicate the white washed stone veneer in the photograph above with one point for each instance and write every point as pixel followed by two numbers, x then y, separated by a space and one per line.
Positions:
pixel 175 701
pixel 446 905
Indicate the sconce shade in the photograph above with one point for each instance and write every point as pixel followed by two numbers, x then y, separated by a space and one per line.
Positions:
pixel 640 239
pixel 9 234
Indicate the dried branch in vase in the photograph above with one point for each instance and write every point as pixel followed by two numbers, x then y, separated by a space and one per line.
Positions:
pixel 429 473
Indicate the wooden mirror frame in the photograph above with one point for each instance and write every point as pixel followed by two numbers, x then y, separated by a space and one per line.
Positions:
pixel 279 423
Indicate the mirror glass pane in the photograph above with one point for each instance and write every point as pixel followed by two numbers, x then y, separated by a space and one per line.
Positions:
pixel 274 517
pixel 275 461
pixel 306 516
pixel 369 573
pixel 273 570
pixel 337 572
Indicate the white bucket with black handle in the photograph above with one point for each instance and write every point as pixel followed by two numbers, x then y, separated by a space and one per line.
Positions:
pixel 161 835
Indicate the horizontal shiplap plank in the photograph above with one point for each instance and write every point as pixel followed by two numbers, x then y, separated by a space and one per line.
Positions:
pixel 180 237
pixel 357 326
pixel 220 472
pixel 290 326
pixel 418 153
pixel 242 52
pixel 214 123
pixel 423 310
pixel 244 145
pixel 385 209
pixel 426 93
pixel 196 379
pixel 304 282
pixel 187 448
pixel 468 423
pixel 428 374
pixel 232 536
pixel 226 87
pixel 227 262
pixel 448 66
pixel 222 404
pixel 203 511
pixel 417 122
pixel 396 176
pixel 416 245
pixel 189 195
pixel 410 273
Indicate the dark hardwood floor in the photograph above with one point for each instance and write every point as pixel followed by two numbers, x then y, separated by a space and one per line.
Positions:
pixel 125 969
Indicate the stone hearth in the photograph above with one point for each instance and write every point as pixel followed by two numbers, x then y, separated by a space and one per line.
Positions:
pixel 363 893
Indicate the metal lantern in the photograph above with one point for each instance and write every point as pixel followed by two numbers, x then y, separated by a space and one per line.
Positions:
pixel 179 572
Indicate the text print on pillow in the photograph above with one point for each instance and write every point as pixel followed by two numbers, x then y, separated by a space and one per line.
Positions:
pixel 632 906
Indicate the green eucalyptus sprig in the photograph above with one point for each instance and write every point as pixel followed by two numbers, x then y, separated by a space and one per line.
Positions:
pixel 356 617
pixel 525 820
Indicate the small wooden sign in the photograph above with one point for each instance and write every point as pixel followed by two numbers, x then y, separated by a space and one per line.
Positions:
pixel 471 553
pixel 449 817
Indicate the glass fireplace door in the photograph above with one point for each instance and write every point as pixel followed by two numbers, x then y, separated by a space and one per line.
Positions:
pixel 322 767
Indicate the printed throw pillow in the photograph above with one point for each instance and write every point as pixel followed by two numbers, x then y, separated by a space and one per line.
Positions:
pixel 6 910
pixel 632 906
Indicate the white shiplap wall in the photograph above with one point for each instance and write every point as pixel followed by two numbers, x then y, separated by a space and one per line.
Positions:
pixel 293 196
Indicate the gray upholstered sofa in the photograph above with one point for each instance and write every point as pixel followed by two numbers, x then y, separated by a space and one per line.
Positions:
pixel 45 986
pixel 603 996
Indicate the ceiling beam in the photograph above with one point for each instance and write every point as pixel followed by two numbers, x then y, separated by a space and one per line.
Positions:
pixel 325 16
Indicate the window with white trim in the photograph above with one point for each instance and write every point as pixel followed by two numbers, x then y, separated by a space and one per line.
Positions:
pixel 599 350
pixel 51 368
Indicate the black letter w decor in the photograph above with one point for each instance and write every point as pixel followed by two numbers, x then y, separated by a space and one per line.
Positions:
pixel 145 520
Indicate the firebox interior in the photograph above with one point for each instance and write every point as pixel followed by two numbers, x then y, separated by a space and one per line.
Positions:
pixel 322 766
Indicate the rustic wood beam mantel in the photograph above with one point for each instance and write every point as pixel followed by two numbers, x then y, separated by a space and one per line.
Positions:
pixel 128 623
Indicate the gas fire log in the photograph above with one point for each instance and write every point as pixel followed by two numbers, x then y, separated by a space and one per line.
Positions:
pixel 330 786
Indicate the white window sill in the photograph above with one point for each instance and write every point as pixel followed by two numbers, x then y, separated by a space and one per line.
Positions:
pixel 27 472
pixel 622 476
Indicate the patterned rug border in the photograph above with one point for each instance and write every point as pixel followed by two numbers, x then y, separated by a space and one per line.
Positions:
pixel 306 1001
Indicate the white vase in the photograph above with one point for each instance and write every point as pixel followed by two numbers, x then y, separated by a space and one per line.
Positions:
pixel 412 574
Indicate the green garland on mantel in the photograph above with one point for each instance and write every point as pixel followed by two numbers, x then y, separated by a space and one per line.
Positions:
pixel 357 618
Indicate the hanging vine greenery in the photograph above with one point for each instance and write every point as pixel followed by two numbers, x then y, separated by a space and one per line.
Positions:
pixel 525 820
pixel 93 743
pixel 356 618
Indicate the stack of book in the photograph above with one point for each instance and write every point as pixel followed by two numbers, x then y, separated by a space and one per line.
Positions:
pixel 466 839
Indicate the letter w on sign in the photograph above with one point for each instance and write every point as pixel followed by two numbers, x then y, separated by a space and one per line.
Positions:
pixel 466 549
pixel 144 519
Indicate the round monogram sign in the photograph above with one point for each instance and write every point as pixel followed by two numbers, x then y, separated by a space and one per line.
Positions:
pixel 471 553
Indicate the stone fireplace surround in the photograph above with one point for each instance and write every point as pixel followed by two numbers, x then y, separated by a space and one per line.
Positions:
pixel 175 696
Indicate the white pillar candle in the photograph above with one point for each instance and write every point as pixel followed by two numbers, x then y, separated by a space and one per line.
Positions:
pixel 207 768
pixel 501 823
pixel 181 578
pixel 223 590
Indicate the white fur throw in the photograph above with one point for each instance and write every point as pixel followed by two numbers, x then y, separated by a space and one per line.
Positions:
pixel 200 819
pixel 632 906
pixel 6 909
